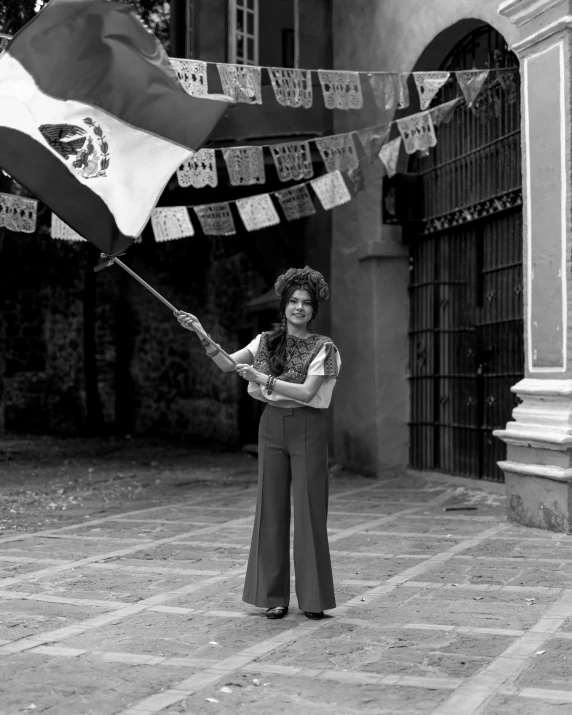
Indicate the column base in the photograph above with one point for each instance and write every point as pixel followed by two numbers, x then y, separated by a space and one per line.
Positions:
pixel 538 468
pixel 538 500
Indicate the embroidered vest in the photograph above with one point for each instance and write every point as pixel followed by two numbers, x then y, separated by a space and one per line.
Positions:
pixel 299 354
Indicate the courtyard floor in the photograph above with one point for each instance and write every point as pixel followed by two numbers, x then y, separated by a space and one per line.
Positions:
pixel 121 572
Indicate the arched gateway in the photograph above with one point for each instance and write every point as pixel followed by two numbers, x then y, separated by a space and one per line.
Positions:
pixel 464 229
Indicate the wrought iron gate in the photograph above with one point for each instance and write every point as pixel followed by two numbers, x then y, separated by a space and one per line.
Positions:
pixel 466 328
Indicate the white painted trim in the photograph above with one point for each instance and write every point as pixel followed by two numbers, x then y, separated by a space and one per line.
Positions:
pixel 521 11
pixel 531 440
pixel 543 387
pixel 557 474
pixel 544 33
pixel 564 184
pixel 543 420
pixel 565 209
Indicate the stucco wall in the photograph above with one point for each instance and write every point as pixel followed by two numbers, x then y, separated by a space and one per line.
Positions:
pixel 370 310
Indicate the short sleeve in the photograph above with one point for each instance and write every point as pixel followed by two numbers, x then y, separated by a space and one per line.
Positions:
pixel 327 362
pixel 253 345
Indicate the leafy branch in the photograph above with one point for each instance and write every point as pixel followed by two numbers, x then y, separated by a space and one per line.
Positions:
pixel 14 14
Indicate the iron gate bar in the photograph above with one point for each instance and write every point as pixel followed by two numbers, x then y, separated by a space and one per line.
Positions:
pixel 468 374
pixel 437 167
pixel 517 264
pixel 440 283
pixel 498 322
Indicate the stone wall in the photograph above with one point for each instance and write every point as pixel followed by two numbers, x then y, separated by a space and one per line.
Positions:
pixel 41 285
pixel 153 377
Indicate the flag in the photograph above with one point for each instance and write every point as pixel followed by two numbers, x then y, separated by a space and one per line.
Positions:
pixel 94 121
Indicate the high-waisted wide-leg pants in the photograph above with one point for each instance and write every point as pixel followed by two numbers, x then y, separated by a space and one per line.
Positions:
pixel 292 450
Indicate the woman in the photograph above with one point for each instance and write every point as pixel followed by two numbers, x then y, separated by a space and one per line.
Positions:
pixel 293 371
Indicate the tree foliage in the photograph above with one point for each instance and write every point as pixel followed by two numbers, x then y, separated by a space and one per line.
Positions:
pixel 14 14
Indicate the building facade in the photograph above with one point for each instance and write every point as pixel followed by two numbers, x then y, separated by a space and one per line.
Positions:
pixel 390 275
pixel 449 280
pixel 457 358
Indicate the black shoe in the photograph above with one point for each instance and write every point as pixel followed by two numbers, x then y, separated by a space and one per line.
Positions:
pixel 314 616
pixel 277 612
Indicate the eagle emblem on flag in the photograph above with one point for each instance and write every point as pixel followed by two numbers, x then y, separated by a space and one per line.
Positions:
pixel 85 150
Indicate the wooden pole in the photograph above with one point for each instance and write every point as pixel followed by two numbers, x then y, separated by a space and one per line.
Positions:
pixel 171 307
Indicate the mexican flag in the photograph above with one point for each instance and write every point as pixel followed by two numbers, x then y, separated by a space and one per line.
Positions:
pixel 93 119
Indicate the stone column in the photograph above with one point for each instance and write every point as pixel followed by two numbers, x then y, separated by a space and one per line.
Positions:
pixel 538 467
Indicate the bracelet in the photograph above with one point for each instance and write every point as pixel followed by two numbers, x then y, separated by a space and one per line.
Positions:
pixel 270 384
pixel 206 345
pixel 216 349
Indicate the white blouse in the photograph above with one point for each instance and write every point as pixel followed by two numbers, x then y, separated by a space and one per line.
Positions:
pixel 322 398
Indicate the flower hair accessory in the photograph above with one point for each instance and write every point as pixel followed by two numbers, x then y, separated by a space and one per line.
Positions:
pixel 303 276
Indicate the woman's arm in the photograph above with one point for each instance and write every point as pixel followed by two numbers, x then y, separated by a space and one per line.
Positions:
pixel 244 356
pixel 302 393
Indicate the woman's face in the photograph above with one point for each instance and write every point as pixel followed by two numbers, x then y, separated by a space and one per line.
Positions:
pixel 299 309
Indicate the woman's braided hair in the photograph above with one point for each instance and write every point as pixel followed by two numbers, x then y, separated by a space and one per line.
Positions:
pixel 294 279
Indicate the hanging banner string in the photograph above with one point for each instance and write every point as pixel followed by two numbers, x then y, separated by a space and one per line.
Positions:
pixel 341 89
pixel 258 211
pixel 245 164
pixel 293 161
pixel 171 222
pixel 365 73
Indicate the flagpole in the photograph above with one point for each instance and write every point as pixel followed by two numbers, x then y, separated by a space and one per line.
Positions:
pixel 171 307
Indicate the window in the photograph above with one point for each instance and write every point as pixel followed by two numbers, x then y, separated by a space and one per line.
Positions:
pixel 243 32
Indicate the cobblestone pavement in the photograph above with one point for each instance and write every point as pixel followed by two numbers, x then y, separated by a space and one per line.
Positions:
pixel 442 610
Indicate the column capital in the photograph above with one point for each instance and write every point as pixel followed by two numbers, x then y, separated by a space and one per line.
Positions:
pixel 537 20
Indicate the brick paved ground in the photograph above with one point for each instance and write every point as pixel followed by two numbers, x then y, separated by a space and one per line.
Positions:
pixel 140 612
